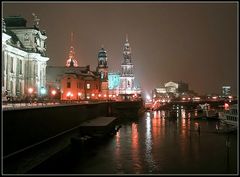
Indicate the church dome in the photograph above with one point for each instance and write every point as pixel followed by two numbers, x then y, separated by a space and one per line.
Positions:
pixel 102 53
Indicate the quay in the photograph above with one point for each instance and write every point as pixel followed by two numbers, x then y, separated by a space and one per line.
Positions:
pixel 31 136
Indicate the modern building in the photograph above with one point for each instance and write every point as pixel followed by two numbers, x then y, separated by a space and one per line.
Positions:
pixel 24 58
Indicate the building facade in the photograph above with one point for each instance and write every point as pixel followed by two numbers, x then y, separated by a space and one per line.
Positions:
pixel 24 58
pixel 171 90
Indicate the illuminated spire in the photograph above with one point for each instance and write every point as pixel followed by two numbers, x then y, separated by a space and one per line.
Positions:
pixel 127 51
pixel 71 61
pixel 71 38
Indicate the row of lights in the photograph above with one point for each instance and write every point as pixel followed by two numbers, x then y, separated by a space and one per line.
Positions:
pixel 42 91
pixel 70 94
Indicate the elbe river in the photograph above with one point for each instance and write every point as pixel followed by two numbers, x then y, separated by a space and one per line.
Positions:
pixel 154 144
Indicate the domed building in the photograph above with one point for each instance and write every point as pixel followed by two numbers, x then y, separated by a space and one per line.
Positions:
pixel 74 82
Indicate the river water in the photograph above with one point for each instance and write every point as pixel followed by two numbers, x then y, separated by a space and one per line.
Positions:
pixel 154 144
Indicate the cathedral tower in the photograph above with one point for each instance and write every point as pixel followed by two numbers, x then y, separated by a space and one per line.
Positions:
pixel 127 76
pixel 102 69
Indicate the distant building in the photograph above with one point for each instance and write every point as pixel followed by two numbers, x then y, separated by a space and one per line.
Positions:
pixel 226 90
pixel 24 57
pixel 171 90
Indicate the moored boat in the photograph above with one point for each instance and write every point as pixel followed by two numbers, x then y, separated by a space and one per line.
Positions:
pixel 229 117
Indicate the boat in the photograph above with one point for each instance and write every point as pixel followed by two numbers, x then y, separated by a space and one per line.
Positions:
pixel 229 117
pixel 93 132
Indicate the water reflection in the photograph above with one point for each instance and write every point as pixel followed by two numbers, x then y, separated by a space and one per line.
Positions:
pixel 148 139
pixel 137 166
pixel 156 145
pixel 119 165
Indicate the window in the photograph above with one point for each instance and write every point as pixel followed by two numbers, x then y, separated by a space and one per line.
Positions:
pixel 11 64
pixel 26 37
pixel 88 86
pixel 20 66
pixel 68 84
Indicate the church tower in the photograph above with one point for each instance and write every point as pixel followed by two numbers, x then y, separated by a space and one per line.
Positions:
pixel 127 76
pixel 102 69
pixel 71 61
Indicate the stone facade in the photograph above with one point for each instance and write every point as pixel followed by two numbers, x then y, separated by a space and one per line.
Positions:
pixel 24 58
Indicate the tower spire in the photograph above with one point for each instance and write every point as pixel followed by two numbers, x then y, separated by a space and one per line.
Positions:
pixel 71 38
pixel 126 37
pixel 71 56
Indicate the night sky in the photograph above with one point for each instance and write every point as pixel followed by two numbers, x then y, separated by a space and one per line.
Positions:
pixel 193 42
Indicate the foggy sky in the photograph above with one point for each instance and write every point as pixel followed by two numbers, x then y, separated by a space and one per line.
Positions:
pixel 193 42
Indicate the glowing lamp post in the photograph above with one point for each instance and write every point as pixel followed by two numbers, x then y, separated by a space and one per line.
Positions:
pixel 148 98
pixel 79 95
pixel 30 91
pixel 68 95
pixel 42 92
pixel 53 92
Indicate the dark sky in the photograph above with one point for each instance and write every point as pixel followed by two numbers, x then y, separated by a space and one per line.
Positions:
pixel 193 42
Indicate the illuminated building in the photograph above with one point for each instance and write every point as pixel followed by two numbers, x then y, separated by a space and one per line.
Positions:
pixel 24 57
pixel 76 82
pixel 127 87
pixel 113 82
pixel 170 90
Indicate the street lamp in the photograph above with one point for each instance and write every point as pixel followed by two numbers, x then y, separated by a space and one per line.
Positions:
pixel 53 92
pixel 79 95
pixel 30 91
pixel 42 92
